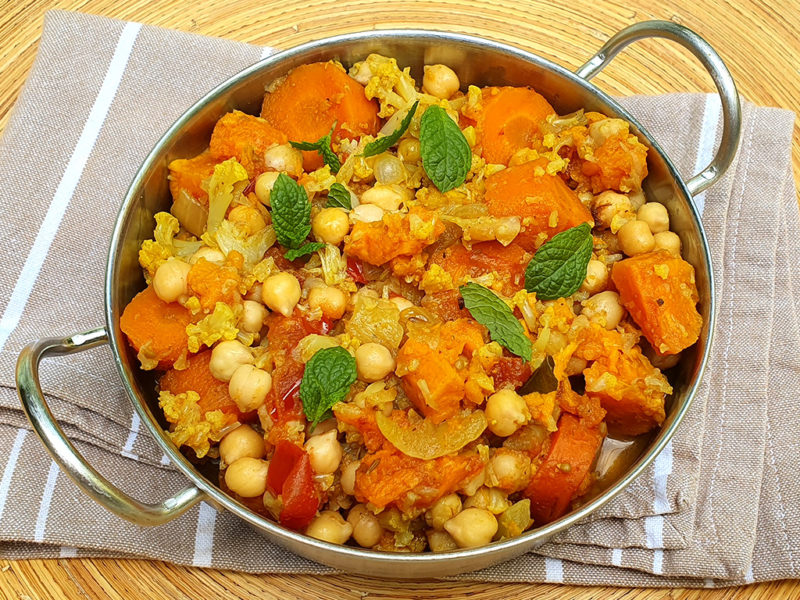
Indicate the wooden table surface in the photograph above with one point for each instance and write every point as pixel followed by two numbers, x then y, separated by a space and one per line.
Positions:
pixel 757 39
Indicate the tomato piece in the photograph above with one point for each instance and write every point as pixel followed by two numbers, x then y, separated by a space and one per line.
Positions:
pixel 283 461
pixel 355 270
pixel 300 497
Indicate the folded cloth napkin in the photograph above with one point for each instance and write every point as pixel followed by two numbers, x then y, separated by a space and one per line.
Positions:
pixel 719 506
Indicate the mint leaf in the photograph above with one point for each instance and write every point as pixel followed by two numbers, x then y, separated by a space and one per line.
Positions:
pixel 291 212
pixel 559 267
pixel 307 248
pixel 382 144
pixel 323 146
pixel 491 312
pixel 446 156
pixel 339 196
pixel 326 381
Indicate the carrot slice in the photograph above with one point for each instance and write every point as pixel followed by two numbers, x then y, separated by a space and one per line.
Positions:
pixel 545 203
pixel 160 326
pixel 511 120
pixel 312 98
pixel 197 377
pixel 660 293
pixel 558 480
pixel 245 138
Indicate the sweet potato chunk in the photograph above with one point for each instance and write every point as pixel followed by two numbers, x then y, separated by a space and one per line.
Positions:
pixel 659 292
pixel 311 99
pixel 427 364
pixel 630 389
pixel 197 377
pixel 544 202
pixel 245 138
pixel 389 477
pixel 188 175
pixel 396 235
pixel 213 283
pixel 506 262
pixel 558 480
pixel 509 120
pixel 156 329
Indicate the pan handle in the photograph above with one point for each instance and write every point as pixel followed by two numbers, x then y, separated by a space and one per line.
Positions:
pixel 66 455
pixel 726 88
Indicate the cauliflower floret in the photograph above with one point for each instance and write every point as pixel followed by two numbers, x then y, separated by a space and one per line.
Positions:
pixel 394 89
pixel 228 237
pixel 190 427
pixel 219 325
pixel 221 190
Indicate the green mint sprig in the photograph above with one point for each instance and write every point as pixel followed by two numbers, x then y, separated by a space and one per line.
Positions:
pixel 559 267
pixel 339 197
pixel 326 381
pixel 323 146
pixel 382 144
pixel 307 248
pixel 291 213
pixel 446 156
pixel 494 314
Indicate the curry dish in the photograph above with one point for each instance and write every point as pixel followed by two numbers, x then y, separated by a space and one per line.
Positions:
pixel 406 317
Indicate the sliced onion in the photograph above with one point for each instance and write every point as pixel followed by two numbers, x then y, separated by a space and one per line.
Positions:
pixel 190 213
pixel 422 439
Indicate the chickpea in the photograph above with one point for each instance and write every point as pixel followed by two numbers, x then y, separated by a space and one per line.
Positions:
pixel 228 356
pixel 471 486
pixel 556 342
pixel 387 197
pixel 242 441
pixel 367 213
pixel 264 185
pixel 281 293
pixel 637 199
pixel 247 218
pixel 348 477
pixel 367 529
pixel 669 241
pixel 596 277
pixel 611 208
pixel 440 541
pixel 325 426
pixel 374 362
pixel 635 238
pixel 494 500
pixel 603 129
pixel 249 387
pixel 655 215
pixel 284 158
pixel 575 366
pixel 506 412
pixel 604 308
pixel 329 526
pixel 324 452
pixel 253 315
pixel 255 294
pixel 509 470
pixel 169 282
pixel 408 150
pixel 444 509
pixel 212 255
pixel 388 169
pixel 331 225
pixel 440 81
pixel 401 303
pixel 247 476
pixel 472 527
pixel 330 300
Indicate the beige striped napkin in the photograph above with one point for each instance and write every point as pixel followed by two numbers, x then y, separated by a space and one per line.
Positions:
pixel 720 505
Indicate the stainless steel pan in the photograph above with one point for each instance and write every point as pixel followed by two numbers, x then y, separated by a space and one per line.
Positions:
pixel 476 61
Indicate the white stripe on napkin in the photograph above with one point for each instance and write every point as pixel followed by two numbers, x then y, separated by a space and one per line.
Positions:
pixel 69 181
pixel 127 450
pixel 11 465
pixel 705 151
pixel 44 506
pixel 553 570
pixel 204 536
